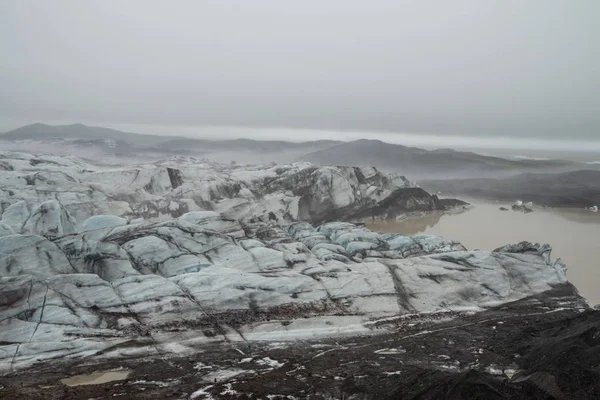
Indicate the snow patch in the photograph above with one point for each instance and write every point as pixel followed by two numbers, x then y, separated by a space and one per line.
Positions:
pixel 494 370
pixel 398 350
pixel 274 364
pixel 158 383
pixel 200 366
pixel 202 392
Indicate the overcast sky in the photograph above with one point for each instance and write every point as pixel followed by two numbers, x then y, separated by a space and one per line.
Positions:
pixel 491 69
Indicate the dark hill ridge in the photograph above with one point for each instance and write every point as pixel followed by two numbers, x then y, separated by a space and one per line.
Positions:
pixel 42 132
pixel 420 163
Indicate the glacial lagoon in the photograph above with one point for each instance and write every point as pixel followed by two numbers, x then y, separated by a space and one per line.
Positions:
pixel 573 233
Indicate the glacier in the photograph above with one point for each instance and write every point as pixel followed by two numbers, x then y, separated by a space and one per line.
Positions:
pixel 203 278
pixel 187 259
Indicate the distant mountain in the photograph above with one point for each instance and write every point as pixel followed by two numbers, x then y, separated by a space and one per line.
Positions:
pixel 569 189
pixel 40 131
pixel 413 162
pixel 420 163
pixel 155 143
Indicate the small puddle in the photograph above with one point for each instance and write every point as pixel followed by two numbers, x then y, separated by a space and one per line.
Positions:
pixel 96 378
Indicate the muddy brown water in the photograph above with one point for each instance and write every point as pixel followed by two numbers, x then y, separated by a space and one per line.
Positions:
pixel 574 235
pixel 96 378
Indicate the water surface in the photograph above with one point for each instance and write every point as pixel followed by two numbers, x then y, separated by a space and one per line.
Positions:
pixel 96 378
pixel 574 235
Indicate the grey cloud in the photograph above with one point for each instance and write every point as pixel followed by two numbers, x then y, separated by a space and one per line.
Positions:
pixel 494 69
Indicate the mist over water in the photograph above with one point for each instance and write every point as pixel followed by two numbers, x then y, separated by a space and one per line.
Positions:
pixel 574 235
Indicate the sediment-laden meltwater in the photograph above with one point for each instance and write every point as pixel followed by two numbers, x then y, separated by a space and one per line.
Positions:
pixel 574 234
